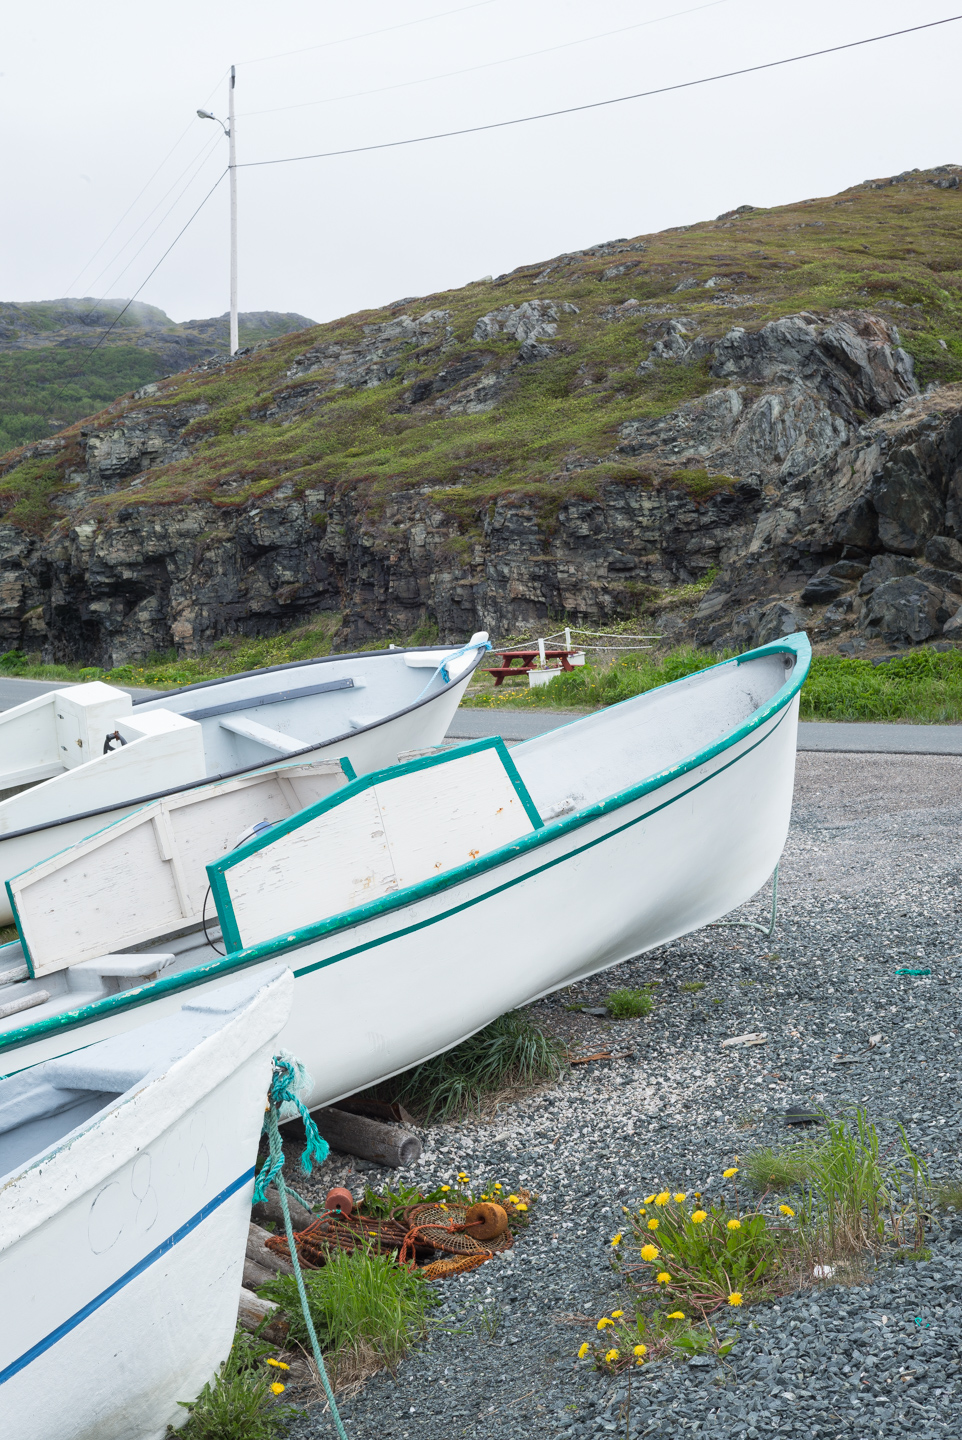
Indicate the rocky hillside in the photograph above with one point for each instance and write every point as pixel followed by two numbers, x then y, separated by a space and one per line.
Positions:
pixel 727 431
pixel 50 375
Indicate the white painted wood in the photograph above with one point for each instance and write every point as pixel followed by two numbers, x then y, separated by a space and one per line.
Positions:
pixel 23 1002
pixel 83 716
pixel 145 962
pixel 145 874
pixel 321 720
pixel 272 739
pixel 92 1188
pixel 38 739
pixel 405 829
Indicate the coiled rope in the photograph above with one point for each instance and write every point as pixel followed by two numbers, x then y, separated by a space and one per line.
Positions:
pixel 282 1093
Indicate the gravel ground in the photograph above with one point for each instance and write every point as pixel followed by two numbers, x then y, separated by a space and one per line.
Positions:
pixel 870 882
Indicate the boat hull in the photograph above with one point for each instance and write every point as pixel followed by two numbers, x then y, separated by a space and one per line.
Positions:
pixel 580 896
pixel 120 1300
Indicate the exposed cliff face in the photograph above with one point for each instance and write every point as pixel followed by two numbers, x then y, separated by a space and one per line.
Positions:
pixel 503 456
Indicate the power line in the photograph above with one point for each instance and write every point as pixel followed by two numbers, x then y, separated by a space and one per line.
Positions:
pixel 600 104
pixel 366 34
pixel 490 64
pixel 121 313
pixel 133 202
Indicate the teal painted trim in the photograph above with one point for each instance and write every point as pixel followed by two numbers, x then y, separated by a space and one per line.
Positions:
pixel 216 870
pixel 348 768
pixel 28 958
pixel 796 645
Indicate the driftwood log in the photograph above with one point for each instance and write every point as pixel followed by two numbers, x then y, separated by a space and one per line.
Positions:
pixel 251 1310
pixel 270 1209
pixel 388 1145
pixel 259 1255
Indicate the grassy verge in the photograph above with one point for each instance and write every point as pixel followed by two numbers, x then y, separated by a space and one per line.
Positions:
pixel 508 1052
pixel 687 1259
pixel 924 686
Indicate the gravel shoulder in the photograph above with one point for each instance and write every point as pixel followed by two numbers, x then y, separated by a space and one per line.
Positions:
pixel 869 883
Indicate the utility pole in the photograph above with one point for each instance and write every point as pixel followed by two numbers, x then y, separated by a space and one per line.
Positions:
pixel 232 162
pixel 228 130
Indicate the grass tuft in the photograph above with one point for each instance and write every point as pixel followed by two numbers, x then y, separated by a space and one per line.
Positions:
pixel 627 1004
pixel 238 1404
pixel 367 1311
pixel 509 1051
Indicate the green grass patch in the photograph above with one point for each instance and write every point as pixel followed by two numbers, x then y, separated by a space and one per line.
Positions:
pixel 511 1051
pixel 629 1004
pixel 240 1403
pixel 367 1311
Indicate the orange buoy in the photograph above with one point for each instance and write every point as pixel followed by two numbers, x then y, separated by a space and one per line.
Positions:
pixel 484 1221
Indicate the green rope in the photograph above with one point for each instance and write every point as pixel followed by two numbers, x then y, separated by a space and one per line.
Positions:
pixel 273 1173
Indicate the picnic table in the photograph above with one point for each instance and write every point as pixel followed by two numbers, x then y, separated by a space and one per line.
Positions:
pixel 528 658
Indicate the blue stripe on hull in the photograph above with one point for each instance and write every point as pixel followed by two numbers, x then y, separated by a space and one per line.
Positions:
pixel 164 1248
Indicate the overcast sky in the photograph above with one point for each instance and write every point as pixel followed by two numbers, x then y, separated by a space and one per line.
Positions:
pixel 99 99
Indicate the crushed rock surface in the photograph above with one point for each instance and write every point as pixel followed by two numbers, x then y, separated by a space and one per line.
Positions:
pixel 870 882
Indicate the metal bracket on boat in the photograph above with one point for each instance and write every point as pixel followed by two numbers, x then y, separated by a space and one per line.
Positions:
pixel 767 930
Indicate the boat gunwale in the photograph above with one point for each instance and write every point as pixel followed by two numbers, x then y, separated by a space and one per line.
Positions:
pixel 795 645
pixel 264 766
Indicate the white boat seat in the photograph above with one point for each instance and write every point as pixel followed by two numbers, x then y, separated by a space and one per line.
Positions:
pixel 263 735
pixel 124 967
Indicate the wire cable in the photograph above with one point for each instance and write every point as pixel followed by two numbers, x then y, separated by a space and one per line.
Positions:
pixel 600 104
pixel 94 348
pixel 367 34
pixel 490 64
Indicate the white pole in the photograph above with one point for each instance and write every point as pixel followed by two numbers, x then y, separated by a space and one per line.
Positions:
pixel 234 341
pixel 541 652
pixel 567 638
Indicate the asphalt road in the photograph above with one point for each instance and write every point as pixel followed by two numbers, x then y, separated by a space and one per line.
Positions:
pixel 14 692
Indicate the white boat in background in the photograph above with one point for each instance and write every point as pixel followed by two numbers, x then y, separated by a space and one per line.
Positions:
pixel 126 1174
pixel 392 895
pixel 85 755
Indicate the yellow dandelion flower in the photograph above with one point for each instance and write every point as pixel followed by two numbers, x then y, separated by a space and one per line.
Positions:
pixel 677 1315
pixel 498 1185
pixel 641 1349
pixel 697 1194
pixel 735 1298
pixel 616 1239
pixel 584 1350
pixel 485 1196
pixel 512 1199
pixel 277 1388
pixel 786 1210
pixel 445 1187
pixel 642 1211
pixel 680 1196
pixel 729 1173
pixel 462 1176
pixel 521 1206
pixel 663 1278
pixel 734 1224
pixel 649 1252
pixel 612 1355
pixel 653 1223
pixel 278 1364
pixel 649 1199
pixel 617 1314
pixel 699 1217
pixel 603 1322
pixel 663 1198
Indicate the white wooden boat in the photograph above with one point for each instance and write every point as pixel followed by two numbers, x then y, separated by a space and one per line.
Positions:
pixel 416 904
pixel 55 750
pixel 126 1174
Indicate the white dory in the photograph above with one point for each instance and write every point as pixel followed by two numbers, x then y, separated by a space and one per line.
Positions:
pixel 126 1173
pixel 418 903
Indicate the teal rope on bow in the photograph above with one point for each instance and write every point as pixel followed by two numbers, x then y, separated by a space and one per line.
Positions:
pixel 442 670
pixel 282 1092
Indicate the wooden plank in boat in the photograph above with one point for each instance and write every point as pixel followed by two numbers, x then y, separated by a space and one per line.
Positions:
pixel 145 875
pixel 386 831
pixel 228 706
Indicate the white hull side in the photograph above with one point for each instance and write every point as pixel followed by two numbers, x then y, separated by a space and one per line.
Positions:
pixel 173 1165
pixel 647 871
pixel 368 750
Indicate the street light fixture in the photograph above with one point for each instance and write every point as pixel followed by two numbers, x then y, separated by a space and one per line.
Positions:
pixel 228 130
